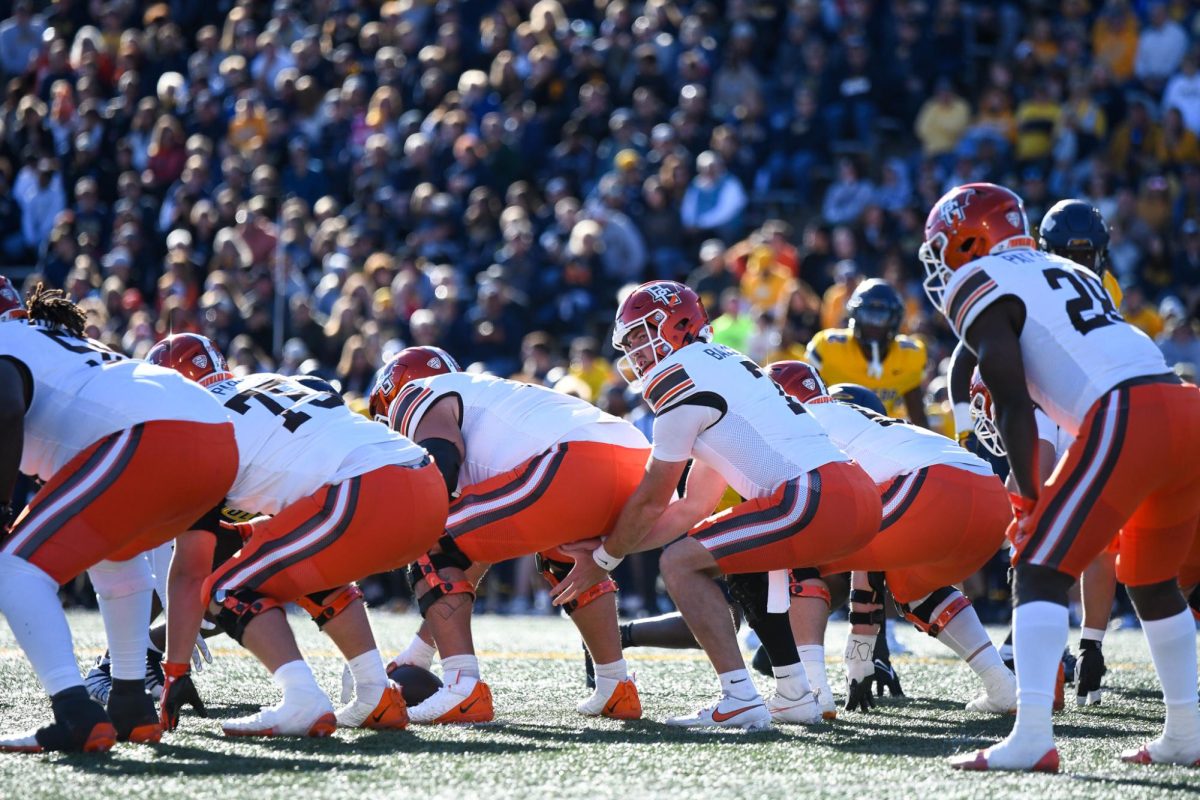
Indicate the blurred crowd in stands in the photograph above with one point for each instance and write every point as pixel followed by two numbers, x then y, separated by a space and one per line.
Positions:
pixel 317 184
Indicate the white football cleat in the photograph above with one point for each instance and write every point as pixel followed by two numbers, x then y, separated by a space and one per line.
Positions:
pixel 804 710
pixel 378 709
pixel 614 699
pixel 826 702
pixel 1001 694
pixel 728 712
pixel 302 714
pixel 1165 751
pixel 467 700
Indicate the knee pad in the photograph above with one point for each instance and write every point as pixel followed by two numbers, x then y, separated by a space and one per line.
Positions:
pixel 807 583
pixel 324 606
pixel 921 615
pixel 238 608
pixel 554 571
pixel 749 591
pixel 114 579
pixel 423 574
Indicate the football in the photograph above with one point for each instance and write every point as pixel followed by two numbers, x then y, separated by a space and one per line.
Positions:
pixel 416 684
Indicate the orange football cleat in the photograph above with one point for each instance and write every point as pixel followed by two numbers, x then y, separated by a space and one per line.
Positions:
pixel 624 703
pixel 390 714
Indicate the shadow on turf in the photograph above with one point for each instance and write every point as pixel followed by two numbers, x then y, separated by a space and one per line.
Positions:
pixel 181 760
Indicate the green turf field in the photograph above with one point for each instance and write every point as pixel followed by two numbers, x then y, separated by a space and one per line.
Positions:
pixel 539 746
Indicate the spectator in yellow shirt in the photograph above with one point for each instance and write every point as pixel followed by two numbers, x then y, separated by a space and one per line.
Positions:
pixel 588 366
pixel 942 120
pixel 766 284
pixel 1139 313
pixel 1037 119
pixel 1115 39
pixel 833 303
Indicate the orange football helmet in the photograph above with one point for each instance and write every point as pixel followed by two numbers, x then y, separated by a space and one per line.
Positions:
pixel 410 364
pixel 193 356
pixel 11 306
pixel 969 222
pixel 798 379
pixel 983 417
pixel 670 314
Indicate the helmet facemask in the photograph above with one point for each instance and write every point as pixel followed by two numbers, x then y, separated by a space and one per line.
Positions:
pixel 654 345
pixel 937 271
pixel 985 426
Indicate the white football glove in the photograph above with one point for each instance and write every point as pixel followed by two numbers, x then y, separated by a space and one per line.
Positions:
pixel 860 670
pixel 201 655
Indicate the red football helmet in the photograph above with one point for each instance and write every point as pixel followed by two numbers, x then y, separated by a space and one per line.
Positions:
pixel 11 306
pixel 669 314
pixel 193 356
pixel 798 379
pixel 410 364
pixel 983 417
pixel 969 222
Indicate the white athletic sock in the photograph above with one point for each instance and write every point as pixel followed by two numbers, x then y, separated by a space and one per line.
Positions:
pixel 965 635
pixel 1172 644
pixel 1039 636
pixel 367 669
pixel 296 676
pixel 812 656
pixel 791 681
pixel 1092 634
pixel 737 683
pixel 419 653
pixel 616 671
pixel 125 621
pixel 459 668
pixel 29 600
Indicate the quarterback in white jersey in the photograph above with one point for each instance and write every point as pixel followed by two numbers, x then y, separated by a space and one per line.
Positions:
pixel 1046 331
pixel 535 471
pixel 944 516
pixel 332 480
pixel 807 503
pixel 107 436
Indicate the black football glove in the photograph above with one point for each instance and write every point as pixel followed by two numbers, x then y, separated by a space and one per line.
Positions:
pixel 886 678
pixel 1088 673
pixel 178 691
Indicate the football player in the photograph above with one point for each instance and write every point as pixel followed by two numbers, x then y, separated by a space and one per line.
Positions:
pixel 1045 331
pixel 518 456
pixel 872 352
pixel 106 434
pixel 332 481
pixel 1097 584
pixel 1075 230
pixel 807 503
pixel 944 516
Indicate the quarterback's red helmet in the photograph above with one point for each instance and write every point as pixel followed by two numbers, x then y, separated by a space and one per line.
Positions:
pixel 410 364
pixel 11 306
pixel 969 222
pixel 798 379
pixel 983 417
pixel 669 313
pixel 193 356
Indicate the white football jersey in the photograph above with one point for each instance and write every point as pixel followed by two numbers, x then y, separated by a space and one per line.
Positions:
pixel 505 423
pixel 83 392
pixel 886 447
pixel 760 438
pixel 1075 344
pixel 293 440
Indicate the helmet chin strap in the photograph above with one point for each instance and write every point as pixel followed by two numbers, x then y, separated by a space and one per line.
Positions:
pixel 875 368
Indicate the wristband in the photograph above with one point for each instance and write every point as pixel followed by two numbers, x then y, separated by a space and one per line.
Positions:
pixel 173 669
pixel 607 562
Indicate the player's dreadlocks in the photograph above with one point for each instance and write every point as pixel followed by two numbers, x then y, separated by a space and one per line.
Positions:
pixel 52 307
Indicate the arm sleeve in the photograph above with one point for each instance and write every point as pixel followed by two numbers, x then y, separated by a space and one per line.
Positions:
pixel 675 431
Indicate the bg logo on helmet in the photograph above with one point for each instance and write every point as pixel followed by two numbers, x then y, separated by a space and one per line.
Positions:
pixel 667 295
pixel 955 210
